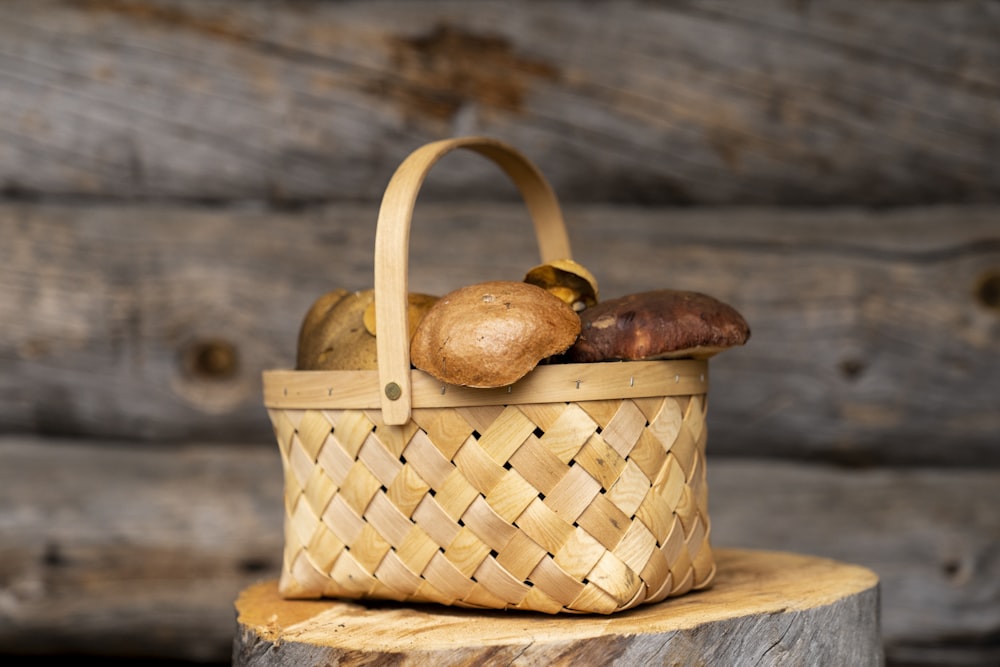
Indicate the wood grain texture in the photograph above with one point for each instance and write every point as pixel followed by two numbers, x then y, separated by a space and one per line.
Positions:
pixel 766 608
pixel 729 101
pixel 112 550
pixel 115 548
pixel 932 535
pixel 875 335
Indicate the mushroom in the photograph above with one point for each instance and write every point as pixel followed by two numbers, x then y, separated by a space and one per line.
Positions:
pixel 417 306
pixel 492 334
pixel 338 331
pixel 567 279
pixel 333 335
pixel 659 324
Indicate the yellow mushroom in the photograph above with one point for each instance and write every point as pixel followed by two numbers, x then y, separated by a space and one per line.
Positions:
pixel 417 306
pixel 567 279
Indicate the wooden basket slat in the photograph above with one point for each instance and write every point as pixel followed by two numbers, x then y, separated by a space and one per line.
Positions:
pixel 546 384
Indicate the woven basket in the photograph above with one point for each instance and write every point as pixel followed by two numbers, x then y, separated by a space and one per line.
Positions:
pixel 580 488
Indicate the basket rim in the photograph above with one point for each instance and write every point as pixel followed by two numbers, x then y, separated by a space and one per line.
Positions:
pixel 555 383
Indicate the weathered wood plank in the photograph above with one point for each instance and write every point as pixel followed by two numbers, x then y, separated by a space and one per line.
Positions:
pixel 876 335
pixel 932 535
pixel 765 608
pixel 115 548
pixel 730 101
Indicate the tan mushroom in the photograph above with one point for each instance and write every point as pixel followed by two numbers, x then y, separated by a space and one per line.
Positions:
pixel 333 335
pixel 660 324
pixel 567 279
pixel 417 306
pixel 338 331
pixel 492 334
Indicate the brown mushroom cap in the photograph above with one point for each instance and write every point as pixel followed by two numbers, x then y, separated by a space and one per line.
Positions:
pixel 660 324
pixel 492 334
pixel 333 335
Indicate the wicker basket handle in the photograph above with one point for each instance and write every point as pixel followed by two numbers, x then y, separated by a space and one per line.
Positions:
pixel 392 239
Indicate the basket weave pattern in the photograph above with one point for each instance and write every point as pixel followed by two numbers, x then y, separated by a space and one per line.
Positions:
pixel 591 506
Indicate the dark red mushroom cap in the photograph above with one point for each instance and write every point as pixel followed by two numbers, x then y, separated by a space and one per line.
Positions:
pixel 660 324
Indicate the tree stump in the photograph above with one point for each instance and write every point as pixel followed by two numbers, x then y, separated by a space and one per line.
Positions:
pixel 765 608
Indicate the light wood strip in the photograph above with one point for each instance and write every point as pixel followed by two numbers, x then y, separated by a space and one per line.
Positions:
pixel 434 521
pixel 446 428
pixel 356 579
pixel 612 576
pixel 466 552
pixel 551 383
pixel 447 578
pixel 313 431
pixel 511 496
pixel 624 429
pixel 407 490
pixel 488 525
pixel 638 544
pixel 319 490
pixel 629 490
pixel 500 582
pixel 544 527
pixel 594 598
pixel 567 434
pixel 455 494
pixel 334 461
pixel 324 549
pixel 397 575
pixel 351 429
pixel 417 550
pixel 572 495
pixel 579 553
pixel 604 521
pixel 423 456
pixel 478 467
pixel 380 461
pixel 359 487
pixel 563 588
pixel 343 521
pixel 538 465
pixel 537 600
pixel 520 556
pixel 369 549
pixel 601 461
pixel 505 435
pixel 389 521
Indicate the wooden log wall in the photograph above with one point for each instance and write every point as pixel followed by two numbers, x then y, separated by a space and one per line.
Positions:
pixel 179 180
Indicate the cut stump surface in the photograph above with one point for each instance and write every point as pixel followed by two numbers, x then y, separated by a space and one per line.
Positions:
pixel 765 608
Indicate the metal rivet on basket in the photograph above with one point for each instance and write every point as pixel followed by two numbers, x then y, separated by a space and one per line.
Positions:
pixel 677 378
pixel 577 384
pixel 442 390
pixel 285 391
pixel 393 392
pixel 631 382
pixel 702 378
pixel 509 389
